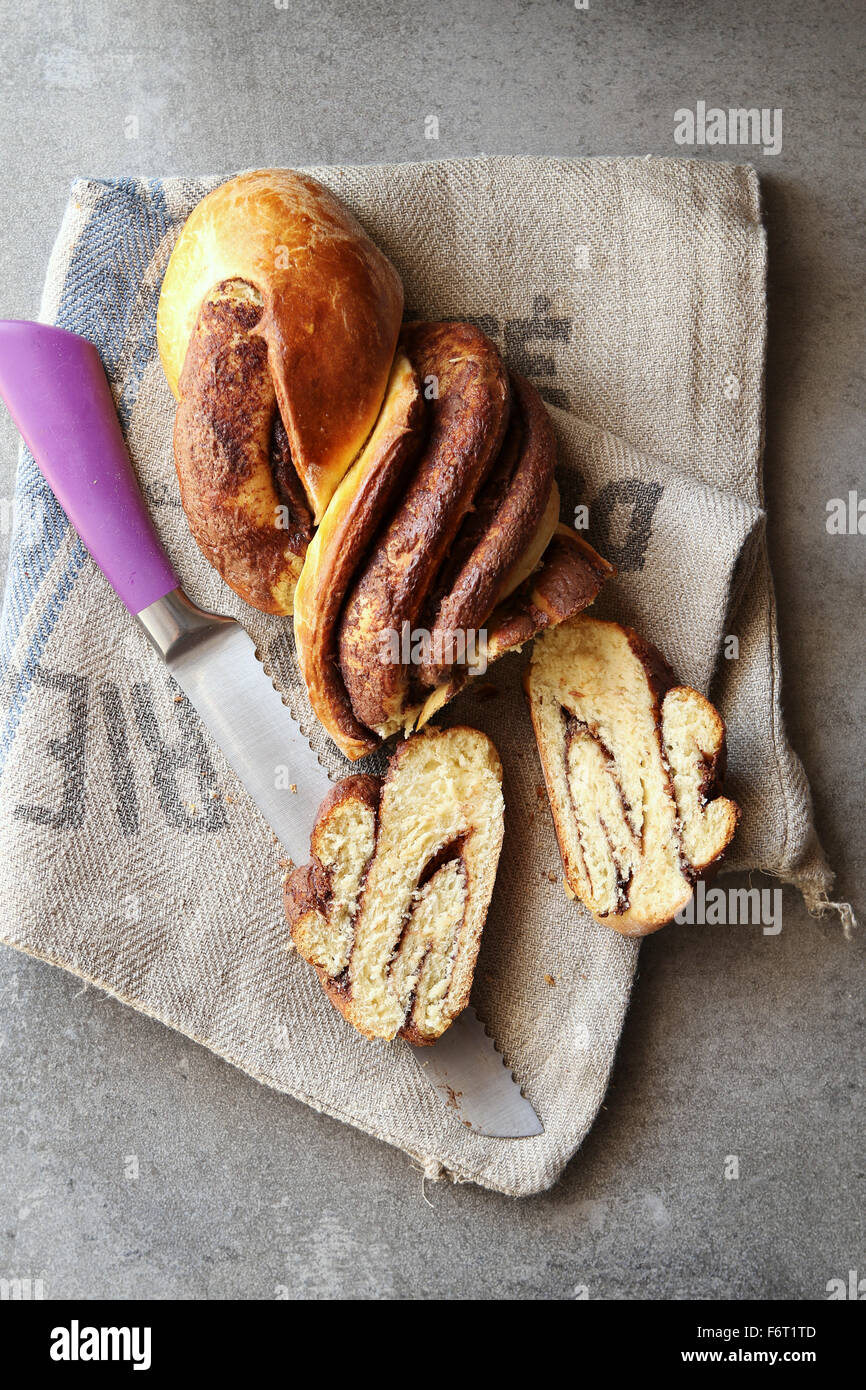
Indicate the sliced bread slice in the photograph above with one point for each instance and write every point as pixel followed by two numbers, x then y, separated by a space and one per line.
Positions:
pixel 633 764
pixel 391 908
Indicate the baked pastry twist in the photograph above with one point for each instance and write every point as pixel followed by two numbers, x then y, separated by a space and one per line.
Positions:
pixel 391 908
pixel 382 486
pixel 633 764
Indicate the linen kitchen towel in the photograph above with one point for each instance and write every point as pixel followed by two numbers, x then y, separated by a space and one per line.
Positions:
pixel 632 293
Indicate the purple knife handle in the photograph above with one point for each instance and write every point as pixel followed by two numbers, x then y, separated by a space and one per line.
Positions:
pixel 55 387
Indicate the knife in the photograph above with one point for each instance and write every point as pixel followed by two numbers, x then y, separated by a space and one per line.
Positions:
pixel 58 395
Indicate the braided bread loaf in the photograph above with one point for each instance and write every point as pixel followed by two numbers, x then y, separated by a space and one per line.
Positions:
pixel 380 485
pixel 391 909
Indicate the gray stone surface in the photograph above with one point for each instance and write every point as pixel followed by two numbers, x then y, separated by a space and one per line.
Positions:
pixel 736 1043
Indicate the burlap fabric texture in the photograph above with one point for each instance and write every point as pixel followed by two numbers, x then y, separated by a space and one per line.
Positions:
pixel 632 293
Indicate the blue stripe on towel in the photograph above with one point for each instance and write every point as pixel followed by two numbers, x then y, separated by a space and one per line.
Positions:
pixel 102 289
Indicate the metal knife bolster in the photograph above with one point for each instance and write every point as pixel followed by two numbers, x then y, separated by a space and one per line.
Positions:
pixel 174 624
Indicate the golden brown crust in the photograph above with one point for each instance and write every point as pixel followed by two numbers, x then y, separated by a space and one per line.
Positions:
pixel 468 418
pixel 570 579
pixel 502 524
pixel 347 529
pixel 229 460
pixel 307 889
pixel 359 787
pixel 331 309
pixel 413 1034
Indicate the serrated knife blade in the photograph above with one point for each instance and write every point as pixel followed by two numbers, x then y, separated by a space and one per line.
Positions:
pixel 465 1067
pixel 58 395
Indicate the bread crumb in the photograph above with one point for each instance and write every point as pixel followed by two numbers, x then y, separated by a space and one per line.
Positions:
pixel 550 980
pixel 554 878
pixel 293 788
